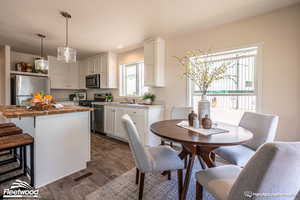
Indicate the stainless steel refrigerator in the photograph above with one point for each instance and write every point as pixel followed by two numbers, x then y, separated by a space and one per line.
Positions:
pixel 22 88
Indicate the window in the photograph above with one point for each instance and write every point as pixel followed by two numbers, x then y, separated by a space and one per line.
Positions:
pixel 132 79
pixel 230 98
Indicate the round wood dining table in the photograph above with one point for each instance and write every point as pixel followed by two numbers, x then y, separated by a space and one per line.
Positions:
pixel 194 144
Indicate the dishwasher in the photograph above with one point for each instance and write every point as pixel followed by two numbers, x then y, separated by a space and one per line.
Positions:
pixel 98 118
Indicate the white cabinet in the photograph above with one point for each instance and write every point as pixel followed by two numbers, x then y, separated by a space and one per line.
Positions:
pixel 108 73
pixel 63 75
pixel 119 128
pixel 154 61
pixel 141 117
pixel 83 71
pixel 110 116
pixel 94 65
pixel 104 64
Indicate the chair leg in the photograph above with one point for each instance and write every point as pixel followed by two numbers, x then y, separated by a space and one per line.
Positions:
pixel 32 165
pixel 137 176
pixel 199 191
pixel 141 186
pixel 169 175
pixel 179 175
pixel 213 156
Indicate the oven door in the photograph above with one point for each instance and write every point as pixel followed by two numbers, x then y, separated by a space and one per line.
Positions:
pixel 92 81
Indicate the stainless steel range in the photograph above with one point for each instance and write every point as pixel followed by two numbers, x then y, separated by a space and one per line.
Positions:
pixel 98 117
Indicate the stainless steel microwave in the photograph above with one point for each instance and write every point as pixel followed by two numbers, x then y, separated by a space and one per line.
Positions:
pixel 92 81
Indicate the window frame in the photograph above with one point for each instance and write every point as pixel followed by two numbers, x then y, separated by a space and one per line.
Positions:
pixel 258 81
pixel 139 78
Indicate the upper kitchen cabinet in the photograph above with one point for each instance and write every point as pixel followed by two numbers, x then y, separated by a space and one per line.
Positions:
pixel 108 77
pixel 94 65
pixel 63 75
pixel 104 64
pixel 83 72
pixel 154 61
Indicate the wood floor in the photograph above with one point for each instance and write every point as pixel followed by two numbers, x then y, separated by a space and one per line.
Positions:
pixel 109 159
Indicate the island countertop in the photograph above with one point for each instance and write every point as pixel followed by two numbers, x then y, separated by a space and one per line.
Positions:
pixel 16 112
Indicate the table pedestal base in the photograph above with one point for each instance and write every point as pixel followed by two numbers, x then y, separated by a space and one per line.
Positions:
pixel 206 157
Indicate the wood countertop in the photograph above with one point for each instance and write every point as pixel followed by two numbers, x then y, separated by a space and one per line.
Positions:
pixel 16 112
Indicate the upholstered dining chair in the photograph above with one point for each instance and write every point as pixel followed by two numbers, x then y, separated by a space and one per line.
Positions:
pixel 263 127
pixel 297 196
pixel 178 113
pixel 275 168
pixel 151 159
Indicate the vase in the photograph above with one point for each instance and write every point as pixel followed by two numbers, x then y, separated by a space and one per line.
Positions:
pixel 148 101
pixel 203 108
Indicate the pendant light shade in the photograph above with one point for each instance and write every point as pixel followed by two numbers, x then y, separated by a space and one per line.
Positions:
pixel 66 53
pixel 41 64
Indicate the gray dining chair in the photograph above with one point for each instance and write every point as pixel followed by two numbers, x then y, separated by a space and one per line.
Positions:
pixel 275 168
pixel 177 113
pixel 263 127
pixel 297 196
pixel 151 159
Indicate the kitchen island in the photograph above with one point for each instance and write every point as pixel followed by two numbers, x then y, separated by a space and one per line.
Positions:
pixel 61 139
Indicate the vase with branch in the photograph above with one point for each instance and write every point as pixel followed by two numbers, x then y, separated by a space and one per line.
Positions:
pixel 202 69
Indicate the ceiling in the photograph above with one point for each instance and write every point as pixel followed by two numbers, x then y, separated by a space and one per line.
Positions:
pixel 117 25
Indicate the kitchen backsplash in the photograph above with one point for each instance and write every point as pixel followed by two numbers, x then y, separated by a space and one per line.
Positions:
pixel 91 92
pixel 62 95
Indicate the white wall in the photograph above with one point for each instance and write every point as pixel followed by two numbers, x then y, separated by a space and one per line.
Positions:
pixel 279 32
pixel 2 76
pixel 131 56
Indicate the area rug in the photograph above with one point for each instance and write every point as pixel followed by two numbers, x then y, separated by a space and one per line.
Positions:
pixel 156 187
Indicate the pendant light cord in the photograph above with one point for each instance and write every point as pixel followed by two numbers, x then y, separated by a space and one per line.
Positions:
pixel 67 26
pixel 42 37
pixel 42 47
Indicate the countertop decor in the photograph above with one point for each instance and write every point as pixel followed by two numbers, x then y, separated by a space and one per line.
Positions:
pixel 41 102
pixel 149 98
pixel 203 72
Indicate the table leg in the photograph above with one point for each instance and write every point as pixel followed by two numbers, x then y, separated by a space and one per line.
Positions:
pixel 188 174
pixel 207 155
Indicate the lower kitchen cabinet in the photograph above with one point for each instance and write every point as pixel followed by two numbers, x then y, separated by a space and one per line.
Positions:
pixel 110 119
pixel 142 117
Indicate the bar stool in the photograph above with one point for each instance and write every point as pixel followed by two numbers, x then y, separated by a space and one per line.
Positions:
pixel 8 129
pixel 12 138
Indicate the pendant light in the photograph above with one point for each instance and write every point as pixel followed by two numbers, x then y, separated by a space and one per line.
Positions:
pixel 41 64
pixel 66 53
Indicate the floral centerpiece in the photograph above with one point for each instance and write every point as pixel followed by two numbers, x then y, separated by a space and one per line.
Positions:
pixel 41 101
pixel 203 71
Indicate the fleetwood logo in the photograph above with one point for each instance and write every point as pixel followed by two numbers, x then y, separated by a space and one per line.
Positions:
pixel 20 189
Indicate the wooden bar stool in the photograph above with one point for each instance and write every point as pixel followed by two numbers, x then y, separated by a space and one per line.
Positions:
pixel 8 129
pixel 19 141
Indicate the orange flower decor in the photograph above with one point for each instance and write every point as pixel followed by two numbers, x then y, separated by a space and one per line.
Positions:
pixel 48 97
pixel 40 98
